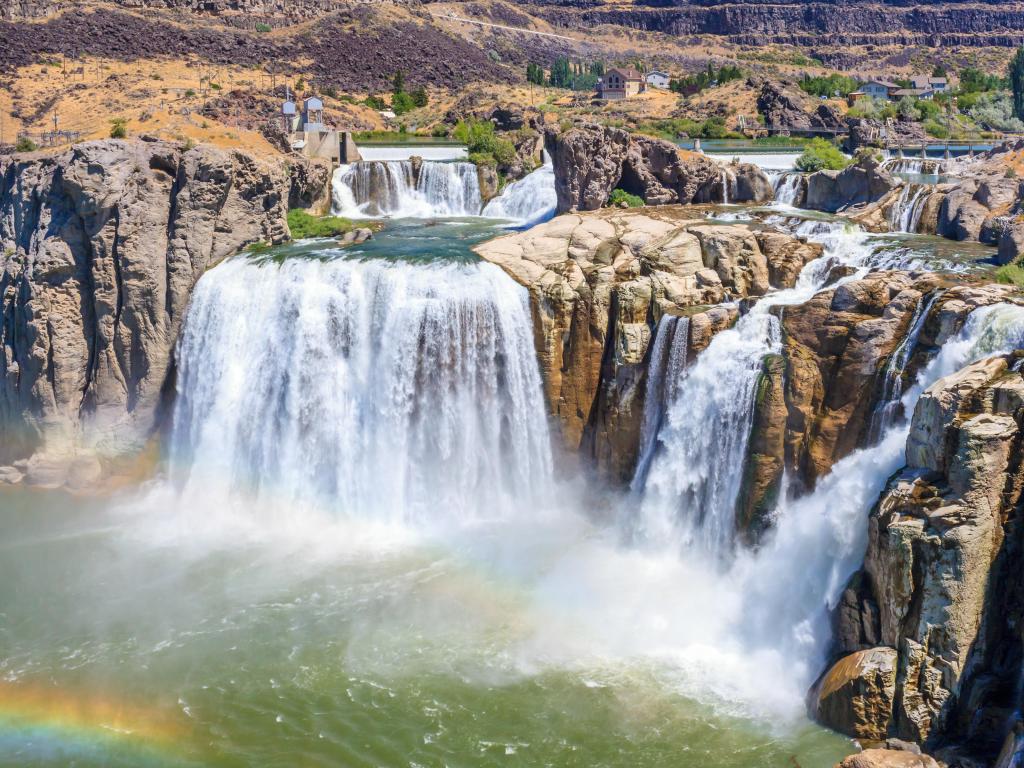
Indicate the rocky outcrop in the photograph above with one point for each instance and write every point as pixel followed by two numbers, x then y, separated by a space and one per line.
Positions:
pixel 101 247
pixel 866 132
pixel 591 161
pixel 945 600
pixel 600 282
pixel 862 183
pixel 309 185
pixel 815 400
pixel 784 108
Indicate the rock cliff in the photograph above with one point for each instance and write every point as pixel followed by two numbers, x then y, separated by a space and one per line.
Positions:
pixel 929 632
pixel 99 250
pixel 600 282
pixel 591 161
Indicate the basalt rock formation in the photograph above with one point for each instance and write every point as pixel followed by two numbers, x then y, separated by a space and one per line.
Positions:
pixel 100 248
pixel 820 24
pixel 939 599
pixel 599 283
pixel 864 182
pixel 591 161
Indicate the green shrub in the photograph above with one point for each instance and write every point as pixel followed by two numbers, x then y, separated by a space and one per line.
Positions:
pixel 439 131
pixel 25 144
pixel 375 102
pixel 481 141
pixel 821 155
pixel 189 93
pixel 828 85
pixel 402 103
pixel 1011 274
pixel 118 128
pixel 261 27
pixel 620 196
pixel 1011 173
pixel 303 224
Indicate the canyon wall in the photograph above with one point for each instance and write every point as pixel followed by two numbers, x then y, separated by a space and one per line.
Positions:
pixel 99 250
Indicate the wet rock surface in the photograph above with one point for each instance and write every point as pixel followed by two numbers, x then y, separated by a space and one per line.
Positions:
pixel 101 247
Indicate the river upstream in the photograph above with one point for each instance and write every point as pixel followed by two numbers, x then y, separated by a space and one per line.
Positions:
pixel 355 551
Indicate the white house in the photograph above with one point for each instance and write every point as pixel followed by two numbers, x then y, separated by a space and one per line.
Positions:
pixel 658 79
pixel 926 83
pixel 879 89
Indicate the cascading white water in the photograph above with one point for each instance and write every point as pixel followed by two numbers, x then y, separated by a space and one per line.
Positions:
pixel 905 214
pixel 393 189
pixel 664 373
pixel 911 165
pixel 384 391
pixel 790 585
pixel 694 469
pixel 889 407
pixel 528 201
pixel 788 187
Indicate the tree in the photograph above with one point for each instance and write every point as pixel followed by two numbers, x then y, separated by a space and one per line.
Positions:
pixel 535 74
pixel 939 71
pixel 561 74
pixel 1017 83
pixel 398 83
pixel 419 97
pixel 25 144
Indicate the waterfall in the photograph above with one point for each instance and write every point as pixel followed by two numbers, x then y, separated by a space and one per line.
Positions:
pixel 888 410
pixel 528 201
pixel 394 189
pixel 664 372
pixel 905 214
pixel 729 189
pixel 384 391
pixel 693 470
pixel 788 187
pixel 791 584
pixel 911 165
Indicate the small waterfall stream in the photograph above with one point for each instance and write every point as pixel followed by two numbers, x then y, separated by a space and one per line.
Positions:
pixel 889 409
pixel 788 187
pixel 528 201
pixel 394 188
pixel 905 214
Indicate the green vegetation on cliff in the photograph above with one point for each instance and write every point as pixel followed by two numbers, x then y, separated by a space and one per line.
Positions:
pixel 303 224
pixel 822 155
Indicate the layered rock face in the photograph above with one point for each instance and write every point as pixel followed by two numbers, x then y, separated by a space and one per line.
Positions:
pixel 815 24
pixel 591 161
pixel 101 247
pixel 599 283
pixel 938 604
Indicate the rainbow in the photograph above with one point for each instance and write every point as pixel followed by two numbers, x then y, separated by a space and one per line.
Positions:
pixel 44 724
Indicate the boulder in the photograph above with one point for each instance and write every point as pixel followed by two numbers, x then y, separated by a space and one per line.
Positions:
pixel 783 106
pixel 856 695
pixel 588 165
pixel 1011 244
pixel 888 758
pixel 309 185
pixel 864 182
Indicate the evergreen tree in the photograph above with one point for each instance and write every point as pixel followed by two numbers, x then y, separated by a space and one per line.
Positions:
pixel 1017 83
pixel 939 71
pixel 398 84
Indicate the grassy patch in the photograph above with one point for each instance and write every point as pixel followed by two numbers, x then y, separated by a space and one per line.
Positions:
pixel 620 196
pixel 302 225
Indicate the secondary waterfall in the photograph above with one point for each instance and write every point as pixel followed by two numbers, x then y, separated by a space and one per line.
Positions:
pixel 789 187
pixel 912 165
pixel 905 214
pixel 383 390
pixel 825 532
pixel 395 189
pixel 528 201
pixel 889 408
